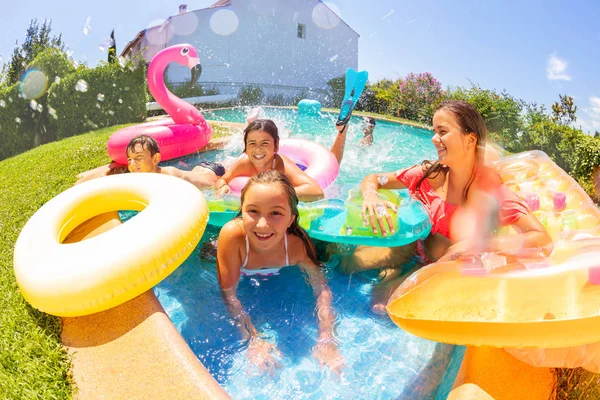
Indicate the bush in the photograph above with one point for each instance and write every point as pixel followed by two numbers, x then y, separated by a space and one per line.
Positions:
pixel 380 97
pixel 500 111
pixel 16 122
pixel 418 96
pixel 250 96
pixel 91 98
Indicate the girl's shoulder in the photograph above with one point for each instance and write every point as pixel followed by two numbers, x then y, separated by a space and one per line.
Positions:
pixel 487 178
pixel 232 231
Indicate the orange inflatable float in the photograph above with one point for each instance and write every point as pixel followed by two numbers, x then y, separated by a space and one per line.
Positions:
pixel 545 309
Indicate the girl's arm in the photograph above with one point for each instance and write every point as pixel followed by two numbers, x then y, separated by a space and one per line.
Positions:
pixel 228 273
pixel 326 350
pixel 374 210
pixel 261 353
pixel 306 187
pixel 237 169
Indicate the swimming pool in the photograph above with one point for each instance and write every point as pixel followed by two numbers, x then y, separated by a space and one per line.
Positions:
pixel 382 361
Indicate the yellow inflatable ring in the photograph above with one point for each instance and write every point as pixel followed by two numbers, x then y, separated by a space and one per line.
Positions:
pixel 104 271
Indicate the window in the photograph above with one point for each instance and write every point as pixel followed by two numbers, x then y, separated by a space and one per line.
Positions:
pixel 301 31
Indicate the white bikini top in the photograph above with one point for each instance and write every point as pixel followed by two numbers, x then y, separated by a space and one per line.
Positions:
pixel 263 271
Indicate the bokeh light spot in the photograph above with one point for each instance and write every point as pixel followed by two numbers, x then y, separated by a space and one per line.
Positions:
pixel 326 15
pixel 224 22
pixel 185 24
pixel 33 84
pixel 159 32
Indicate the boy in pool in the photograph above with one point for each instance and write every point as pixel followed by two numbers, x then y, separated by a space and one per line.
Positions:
pixel 143 155
pixel 368 129
pixel 261 142
pixel 264 238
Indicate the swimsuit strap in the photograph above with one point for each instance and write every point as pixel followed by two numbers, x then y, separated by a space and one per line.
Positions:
pixel 247 252
pixel 273 165
pixel 287 260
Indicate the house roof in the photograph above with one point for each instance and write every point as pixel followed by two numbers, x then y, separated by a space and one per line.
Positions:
pixel 219 3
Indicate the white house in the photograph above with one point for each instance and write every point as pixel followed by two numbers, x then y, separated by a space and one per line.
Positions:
pixel 286 47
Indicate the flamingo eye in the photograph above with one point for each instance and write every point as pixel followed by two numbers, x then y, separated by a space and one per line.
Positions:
pixel 185 51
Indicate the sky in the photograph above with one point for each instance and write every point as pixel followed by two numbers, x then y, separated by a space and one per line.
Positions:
pixel 533 49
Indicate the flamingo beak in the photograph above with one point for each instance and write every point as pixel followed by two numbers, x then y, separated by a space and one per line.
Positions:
pixel 196 72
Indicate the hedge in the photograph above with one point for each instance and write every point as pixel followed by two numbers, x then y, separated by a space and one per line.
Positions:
pixel 109 94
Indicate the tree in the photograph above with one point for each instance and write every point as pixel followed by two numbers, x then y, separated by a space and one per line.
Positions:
pixel 112 49
pixel 37 39
pixel 564 112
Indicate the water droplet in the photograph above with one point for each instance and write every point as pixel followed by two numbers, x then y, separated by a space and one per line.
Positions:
pixel 348 231
pixel 2 103
pixel 40 108
pixel 111 112
pixel 87 27
pixel 97 105
pixel 52 112
pixel 334 58
pixel 120 101
pixel 33 104
pixel 81 86
pixel 100 97
pixel 57 79
pixel 18 120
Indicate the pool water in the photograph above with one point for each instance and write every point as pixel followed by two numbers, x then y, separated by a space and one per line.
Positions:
pixel 382 361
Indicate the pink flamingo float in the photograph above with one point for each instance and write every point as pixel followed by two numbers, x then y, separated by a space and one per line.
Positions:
pixel 186 131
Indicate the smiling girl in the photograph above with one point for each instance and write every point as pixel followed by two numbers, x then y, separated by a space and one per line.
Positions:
pixel 263 239
pixel 261 143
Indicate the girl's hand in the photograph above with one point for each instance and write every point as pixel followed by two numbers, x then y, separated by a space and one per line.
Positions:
pixel 327 353
pixel 375 211
pixel 264 355
pixel 223 190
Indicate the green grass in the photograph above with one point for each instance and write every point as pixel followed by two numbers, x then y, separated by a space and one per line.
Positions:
pixel 33 363
pixel 576 384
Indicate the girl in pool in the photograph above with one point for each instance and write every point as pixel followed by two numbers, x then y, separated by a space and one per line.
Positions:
pixel 465 199
pixel 261 142
pixel 263 239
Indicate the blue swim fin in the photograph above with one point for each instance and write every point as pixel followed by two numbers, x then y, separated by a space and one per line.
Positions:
pixel 355 84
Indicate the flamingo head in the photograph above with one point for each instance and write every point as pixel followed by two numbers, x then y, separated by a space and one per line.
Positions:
pixel 185 54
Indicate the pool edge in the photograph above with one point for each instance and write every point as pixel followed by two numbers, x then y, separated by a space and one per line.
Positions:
pixel 132 350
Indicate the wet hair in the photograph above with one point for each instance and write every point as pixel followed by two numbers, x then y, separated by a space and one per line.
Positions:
pixel 470 121
pixel 371 121
pixel 147 142
pixel 273 177
pixel 262 125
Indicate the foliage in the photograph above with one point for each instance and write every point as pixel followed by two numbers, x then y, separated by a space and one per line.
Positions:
pixel 418 94
pixel 16 122
pixel 112 49
pixel 564 112
pixel 250 96
pixel 37 39
pixel 103 96
pixel 501 112
pixel 380 97
pixel 575 384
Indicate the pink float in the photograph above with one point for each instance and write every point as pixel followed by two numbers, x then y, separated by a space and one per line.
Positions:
pixel 321 164
pixel 186 131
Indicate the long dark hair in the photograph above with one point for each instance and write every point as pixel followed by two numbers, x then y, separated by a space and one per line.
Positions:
pixel 470 121
pixel 262 125
pixel 273 177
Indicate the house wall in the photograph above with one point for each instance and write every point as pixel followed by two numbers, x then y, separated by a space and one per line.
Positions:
pixel 264 50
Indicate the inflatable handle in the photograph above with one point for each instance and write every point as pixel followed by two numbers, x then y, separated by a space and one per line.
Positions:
pixel 560 201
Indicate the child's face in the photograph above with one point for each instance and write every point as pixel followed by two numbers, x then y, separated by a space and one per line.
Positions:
pixel 260 149
pixel 266 216
pixel 140 160
pixel 449 138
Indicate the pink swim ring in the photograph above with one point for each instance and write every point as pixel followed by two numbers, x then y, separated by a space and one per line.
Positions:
pixel 321 164
pixel 186 131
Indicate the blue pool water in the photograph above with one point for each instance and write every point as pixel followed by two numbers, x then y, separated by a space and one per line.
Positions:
pixel 382 361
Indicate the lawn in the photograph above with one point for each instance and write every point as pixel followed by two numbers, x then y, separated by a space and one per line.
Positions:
pixel 33 363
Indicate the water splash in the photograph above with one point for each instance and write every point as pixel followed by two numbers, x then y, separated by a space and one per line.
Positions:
pixel 100 97
pixel 52 112
pixel 224 22
pixel 388 14
pixel 2 103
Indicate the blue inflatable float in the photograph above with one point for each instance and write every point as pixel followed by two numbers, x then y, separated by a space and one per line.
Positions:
pixel 309 107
